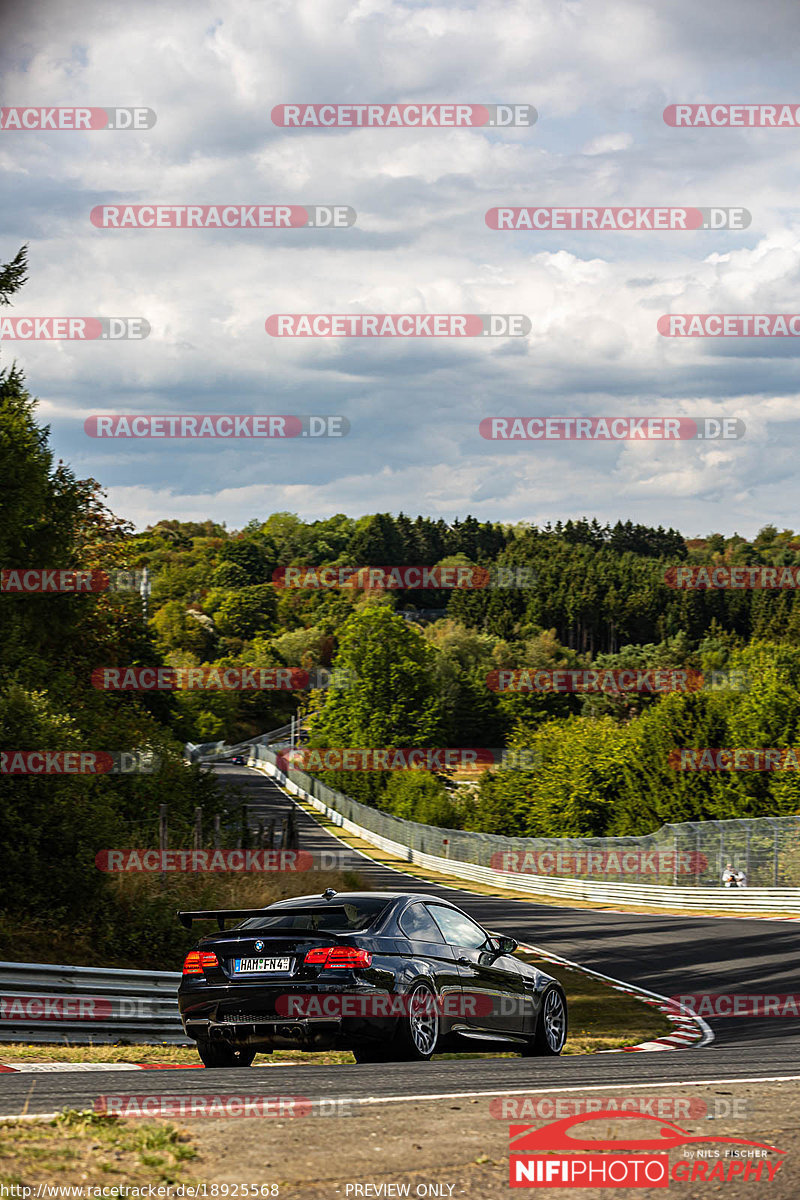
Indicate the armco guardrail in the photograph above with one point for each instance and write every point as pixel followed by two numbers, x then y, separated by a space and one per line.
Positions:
pixel 40 1002
pixel 708 898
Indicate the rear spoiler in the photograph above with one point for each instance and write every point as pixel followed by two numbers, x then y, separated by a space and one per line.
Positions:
pixel 218 914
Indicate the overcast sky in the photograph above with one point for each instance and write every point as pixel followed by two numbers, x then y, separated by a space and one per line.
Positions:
pixel 599 74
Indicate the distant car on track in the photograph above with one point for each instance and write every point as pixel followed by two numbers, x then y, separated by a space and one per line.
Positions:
pixel 392 976
pixel 237 760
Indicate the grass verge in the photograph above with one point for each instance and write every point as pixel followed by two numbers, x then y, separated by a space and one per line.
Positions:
pixel 90 1149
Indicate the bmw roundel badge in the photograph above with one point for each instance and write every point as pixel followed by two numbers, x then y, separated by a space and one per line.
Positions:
pixel 259 945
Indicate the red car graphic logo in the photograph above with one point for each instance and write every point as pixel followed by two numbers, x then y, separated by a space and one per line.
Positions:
pixel 556 1136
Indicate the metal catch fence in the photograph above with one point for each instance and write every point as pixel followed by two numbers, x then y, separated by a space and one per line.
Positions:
pixel 687 854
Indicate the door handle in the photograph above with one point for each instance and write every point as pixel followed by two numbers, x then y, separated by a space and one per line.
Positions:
pixel 464 961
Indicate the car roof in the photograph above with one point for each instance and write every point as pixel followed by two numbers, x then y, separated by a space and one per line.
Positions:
pixel 354 897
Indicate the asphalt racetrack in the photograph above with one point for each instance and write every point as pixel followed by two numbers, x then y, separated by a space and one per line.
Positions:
pixel 666 954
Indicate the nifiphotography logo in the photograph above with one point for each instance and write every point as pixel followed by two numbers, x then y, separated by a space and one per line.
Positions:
pixel 546 1156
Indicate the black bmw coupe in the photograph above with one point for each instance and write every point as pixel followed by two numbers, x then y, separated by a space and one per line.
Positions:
pixel 389 975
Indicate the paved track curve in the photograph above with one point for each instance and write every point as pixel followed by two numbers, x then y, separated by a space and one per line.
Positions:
pixel 663 953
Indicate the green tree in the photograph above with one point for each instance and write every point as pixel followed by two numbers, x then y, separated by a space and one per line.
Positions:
pixel 256 559
pixel 420 796
pixel 246 612
pixel 392 699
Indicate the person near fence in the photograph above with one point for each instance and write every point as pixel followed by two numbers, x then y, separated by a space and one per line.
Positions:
pixel 731 877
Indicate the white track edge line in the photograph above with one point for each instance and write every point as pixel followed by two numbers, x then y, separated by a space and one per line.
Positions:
pixel 531 1091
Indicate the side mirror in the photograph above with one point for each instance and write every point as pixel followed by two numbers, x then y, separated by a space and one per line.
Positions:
pixel 502 944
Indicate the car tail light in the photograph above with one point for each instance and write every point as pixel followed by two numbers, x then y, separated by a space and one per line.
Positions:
pixel 338 956
pixel 198 960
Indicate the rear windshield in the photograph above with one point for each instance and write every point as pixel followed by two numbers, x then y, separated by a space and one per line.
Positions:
pixel 333 918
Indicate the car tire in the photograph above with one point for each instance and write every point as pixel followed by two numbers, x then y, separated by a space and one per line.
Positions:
pixel 418 1031
pixel 551 1028
pixel 222 1054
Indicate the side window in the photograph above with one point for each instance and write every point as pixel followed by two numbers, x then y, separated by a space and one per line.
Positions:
pixel 457 928
pixel 416 922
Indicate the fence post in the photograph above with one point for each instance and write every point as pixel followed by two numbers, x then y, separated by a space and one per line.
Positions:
pixel 198 829
pixel 747 856
pixel 217 837
pixel 675 864
pixel 163 835
pixel 775 860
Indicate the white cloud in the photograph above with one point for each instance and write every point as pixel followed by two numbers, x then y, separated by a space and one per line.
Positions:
pixel 599 74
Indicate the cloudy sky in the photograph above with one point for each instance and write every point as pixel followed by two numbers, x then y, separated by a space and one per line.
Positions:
pixel 599 73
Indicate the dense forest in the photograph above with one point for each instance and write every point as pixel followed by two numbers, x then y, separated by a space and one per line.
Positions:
pixel 416 662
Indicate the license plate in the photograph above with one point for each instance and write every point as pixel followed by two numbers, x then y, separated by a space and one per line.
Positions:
pixel 249 966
